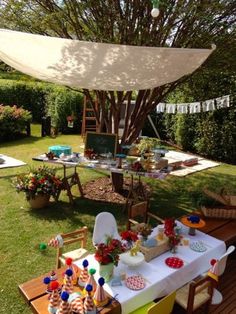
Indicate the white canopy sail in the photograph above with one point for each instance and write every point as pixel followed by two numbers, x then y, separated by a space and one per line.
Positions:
pixel 97 66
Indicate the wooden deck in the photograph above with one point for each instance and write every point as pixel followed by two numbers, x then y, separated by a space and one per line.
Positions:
pixel 228 289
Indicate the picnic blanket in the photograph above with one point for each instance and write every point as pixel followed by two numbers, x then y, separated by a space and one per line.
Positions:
pixel 9 162
pixel 183 171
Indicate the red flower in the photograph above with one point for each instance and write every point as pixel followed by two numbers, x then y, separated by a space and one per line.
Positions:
pixel 129 236
pixel 109 252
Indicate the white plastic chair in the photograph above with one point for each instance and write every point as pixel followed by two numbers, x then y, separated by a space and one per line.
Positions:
pixel 105 226
pixel 221 264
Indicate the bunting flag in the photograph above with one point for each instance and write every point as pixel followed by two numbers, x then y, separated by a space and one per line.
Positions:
pixel 161 107
pixel 170 108
pixel 222 102
pixel 195 107
pixel 182 108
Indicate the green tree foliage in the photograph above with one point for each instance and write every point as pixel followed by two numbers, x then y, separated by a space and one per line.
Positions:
pixel 194 24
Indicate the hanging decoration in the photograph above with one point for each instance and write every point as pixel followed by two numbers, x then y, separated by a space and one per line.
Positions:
pixel 195 107
pixel 155 11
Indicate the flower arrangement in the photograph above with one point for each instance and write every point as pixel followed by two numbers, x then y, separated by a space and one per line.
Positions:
pixel 108 252
pixel 144 230
pixel 170 232
pixel 130 237
pixel 38 181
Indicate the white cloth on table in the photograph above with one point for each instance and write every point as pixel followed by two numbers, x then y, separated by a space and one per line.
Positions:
pixel 159 278
pixel 10 162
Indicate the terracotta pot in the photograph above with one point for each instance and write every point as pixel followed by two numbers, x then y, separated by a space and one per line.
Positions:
pixel 40 201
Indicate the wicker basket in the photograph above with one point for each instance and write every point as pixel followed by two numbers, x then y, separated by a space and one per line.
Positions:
pixel 152 252
pixel 227 212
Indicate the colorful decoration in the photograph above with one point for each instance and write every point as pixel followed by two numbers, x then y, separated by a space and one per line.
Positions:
pixel 42 246
pixel 84 274
pixel 172 234
pixel 64 307
pixel 213 271
pixel 68 286
pixel 89 306
pixel 54 300
pixel 91 281
pixel 74 268
pixel 77 305
pixel 135 249
pixel 100 297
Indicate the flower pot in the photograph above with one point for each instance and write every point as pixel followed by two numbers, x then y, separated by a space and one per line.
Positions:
pixel 40 201
pixel 106 271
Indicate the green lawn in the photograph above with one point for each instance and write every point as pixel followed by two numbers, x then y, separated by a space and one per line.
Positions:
pixel 22 229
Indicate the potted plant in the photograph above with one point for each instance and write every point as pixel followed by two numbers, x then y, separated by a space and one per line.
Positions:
pixel 38 184
pixel 107 255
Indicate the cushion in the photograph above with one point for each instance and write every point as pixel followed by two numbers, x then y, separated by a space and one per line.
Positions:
pixel 75 255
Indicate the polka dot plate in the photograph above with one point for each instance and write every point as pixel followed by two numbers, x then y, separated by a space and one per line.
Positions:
pixel 198 246
pixel 174 262
pixel 135 282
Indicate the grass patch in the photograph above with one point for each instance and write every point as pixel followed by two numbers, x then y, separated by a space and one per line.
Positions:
pixel 22 229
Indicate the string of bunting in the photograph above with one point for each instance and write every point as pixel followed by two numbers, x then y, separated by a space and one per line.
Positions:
pixel 195 107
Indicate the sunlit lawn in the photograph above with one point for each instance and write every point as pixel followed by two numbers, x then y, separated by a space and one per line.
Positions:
pixel 22 229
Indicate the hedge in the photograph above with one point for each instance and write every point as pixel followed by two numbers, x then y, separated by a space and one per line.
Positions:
pixel 43 99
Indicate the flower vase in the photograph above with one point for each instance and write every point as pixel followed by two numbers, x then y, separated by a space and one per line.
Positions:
pixel 106 271
pixel 39 201
pixel 173 249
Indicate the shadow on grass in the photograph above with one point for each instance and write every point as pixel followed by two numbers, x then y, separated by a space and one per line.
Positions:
pixel 21 141
pixel 82 207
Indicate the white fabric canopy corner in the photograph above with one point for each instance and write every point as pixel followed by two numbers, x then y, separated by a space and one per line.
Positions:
pixel 97 66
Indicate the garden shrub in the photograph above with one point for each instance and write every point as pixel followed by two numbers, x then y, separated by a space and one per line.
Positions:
pixel 62 103
pixel 13 121
pixel 44 99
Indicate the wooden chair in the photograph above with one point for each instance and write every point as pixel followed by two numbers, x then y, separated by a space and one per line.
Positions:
pixel 79 235
pixel 139 213
pixel 164 306
pixel 196 294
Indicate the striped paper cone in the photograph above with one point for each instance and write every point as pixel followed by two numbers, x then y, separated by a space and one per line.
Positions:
pixel 77 306
pixel 83 277
pixel 68 284
pixel 64 308
pixel 89 305
pixel 54 302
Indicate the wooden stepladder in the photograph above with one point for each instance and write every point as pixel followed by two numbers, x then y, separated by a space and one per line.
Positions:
pixel 89 122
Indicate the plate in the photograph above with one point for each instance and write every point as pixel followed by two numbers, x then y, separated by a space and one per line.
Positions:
pixel 198 246
pixel 135 282
pixel 174 262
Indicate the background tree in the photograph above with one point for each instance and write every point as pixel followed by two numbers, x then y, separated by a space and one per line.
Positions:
pixel 193 23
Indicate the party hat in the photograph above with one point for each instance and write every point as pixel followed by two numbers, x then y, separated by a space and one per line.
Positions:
pixel 91 281
pixel 100 298
pixel 68 286
pixel 77 305
pixel 89 306
pixel 213 271
pixel 64 307
pixel 84 274
pixel 74 268
pixel 54 300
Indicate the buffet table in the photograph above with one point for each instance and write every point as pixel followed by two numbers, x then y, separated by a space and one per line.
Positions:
pixel 160 279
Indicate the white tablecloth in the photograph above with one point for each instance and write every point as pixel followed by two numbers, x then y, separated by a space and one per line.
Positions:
pixel 161 279
pixel 10 162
